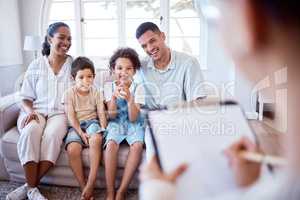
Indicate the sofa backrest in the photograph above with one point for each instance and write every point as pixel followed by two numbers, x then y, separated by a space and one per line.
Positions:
pixel 102 76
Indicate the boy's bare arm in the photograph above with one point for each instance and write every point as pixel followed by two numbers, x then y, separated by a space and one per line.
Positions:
pixel 101 114
pixel 69 109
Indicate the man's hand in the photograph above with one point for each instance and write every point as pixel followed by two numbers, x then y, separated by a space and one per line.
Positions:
pixel 30 116
pixel 245 172
pixel 152 171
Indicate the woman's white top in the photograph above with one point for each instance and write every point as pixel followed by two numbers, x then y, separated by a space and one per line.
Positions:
pixel 44 88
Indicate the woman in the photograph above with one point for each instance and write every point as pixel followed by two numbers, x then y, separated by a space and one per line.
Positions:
pixel 42 123
pixel 262 36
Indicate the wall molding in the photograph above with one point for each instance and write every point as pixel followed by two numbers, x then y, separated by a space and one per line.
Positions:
pixel 10 66
pixel 251 115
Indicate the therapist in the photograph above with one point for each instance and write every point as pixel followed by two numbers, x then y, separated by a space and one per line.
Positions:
pixel 42 123
pixel 261 36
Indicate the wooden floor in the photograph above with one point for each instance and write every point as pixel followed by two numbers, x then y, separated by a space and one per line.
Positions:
pixel 270 140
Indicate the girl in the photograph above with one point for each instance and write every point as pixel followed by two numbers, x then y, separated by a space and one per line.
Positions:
pixel 124 101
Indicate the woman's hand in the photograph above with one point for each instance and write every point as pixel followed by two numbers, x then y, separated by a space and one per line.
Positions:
pixel 245 172
pixel 30 116
pixel 152 171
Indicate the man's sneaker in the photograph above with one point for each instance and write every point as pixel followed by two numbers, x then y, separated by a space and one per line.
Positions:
pixel 18 194
pixel 34 194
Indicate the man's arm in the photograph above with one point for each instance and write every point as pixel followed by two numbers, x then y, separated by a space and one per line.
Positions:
pixel 194 81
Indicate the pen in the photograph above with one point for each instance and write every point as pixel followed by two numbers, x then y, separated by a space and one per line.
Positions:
pixel 261 158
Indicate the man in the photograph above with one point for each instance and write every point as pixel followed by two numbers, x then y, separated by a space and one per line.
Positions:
pixel 169 76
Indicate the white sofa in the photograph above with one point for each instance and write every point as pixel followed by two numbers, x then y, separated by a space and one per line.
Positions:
pixel 61 174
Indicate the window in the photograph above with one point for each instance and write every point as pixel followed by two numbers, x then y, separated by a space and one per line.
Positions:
pixel 101 26
pixel 184 34
pixel 100 29
pixel 64 11
pixel 137 12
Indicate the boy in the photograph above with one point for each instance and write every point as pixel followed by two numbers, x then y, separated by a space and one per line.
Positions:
pixel 84 108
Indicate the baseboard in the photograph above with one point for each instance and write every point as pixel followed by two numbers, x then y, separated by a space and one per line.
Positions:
pixel 252 115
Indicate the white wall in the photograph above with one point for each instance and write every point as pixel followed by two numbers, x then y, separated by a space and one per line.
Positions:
pixel 243 92
pixel 10 46
pixel 220 69
pixel 10 35
pixel 30 12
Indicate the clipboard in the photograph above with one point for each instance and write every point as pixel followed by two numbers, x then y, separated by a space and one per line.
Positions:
pixel 215 126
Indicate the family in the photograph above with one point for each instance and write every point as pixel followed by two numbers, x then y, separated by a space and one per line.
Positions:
pixel 61 106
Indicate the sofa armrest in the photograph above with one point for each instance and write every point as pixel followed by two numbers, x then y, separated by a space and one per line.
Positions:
pixel 9 111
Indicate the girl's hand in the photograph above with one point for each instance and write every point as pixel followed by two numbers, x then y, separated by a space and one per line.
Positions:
pixel 125 93
pixel 122 92
pixel 116 93
pixel 85 138
pixel 30 116
pixel 245 172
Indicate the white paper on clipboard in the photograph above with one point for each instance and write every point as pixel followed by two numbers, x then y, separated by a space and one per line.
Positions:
pixel 197 136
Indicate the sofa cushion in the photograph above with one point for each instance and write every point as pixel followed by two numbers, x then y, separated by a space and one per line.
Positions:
pixel 102 76
pixel 61 175
pixel 8 144
pixel 9 111
pixel 9 150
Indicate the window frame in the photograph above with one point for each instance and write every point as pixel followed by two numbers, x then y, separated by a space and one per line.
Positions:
pixel 121 8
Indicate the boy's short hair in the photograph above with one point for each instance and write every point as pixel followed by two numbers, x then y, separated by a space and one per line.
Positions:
pixel 144 27
pixel 81 63
pixel 129 53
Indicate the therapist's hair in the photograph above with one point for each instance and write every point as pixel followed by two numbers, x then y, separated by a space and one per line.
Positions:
pixel 128 53
pixel 285 12
pixel 144 27
pixel 52 29
pixel 81 63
